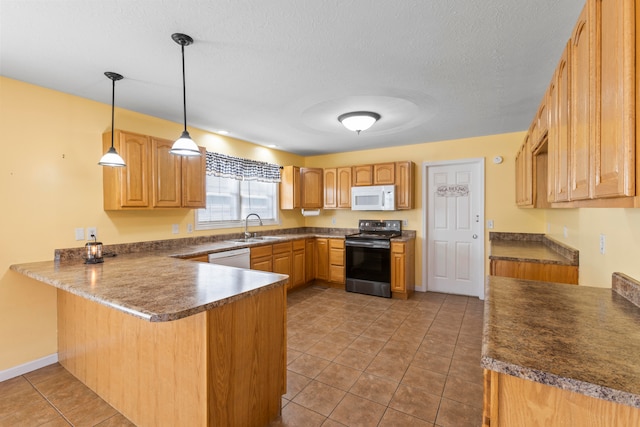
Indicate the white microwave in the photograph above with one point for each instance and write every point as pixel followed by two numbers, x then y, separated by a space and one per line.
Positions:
pixel 373 198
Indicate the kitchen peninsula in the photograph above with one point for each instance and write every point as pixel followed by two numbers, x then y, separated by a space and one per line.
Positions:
pixel 172 342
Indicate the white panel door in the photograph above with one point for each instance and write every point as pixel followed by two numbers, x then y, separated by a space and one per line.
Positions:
pixel 455 229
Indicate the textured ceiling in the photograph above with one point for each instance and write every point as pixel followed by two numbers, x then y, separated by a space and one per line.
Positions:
pixel 281 71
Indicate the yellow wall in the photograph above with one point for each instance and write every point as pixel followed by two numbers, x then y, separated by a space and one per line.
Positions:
pixel 621 228
pixel 50 184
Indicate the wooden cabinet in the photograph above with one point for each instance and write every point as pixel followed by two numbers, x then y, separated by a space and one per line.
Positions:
pixel 560 146
pixel 153 178
pixel 384 174
pixel 262 258
pixel 298 264
pixel 524 175
pixel 337 261
pixel 301 188
pixel 543 272
pixel 321 259
pixel 581 108
pixel 402 269
pixel 199 258
pixel 512 401
pixel 309 260
pixel 362 175
pixel 337 188
pixel 282 262
pixel 405 177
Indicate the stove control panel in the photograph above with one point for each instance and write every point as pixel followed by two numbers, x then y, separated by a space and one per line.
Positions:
pixel 380 225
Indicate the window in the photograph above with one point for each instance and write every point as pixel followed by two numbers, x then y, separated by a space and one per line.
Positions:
pixel 229 201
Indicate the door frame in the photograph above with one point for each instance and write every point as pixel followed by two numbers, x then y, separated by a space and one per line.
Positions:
pixel 480 161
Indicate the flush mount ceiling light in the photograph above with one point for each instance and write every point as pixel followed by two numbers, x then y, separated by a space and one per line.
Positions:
pixel 358 121
pixel 112 158
pixel 184 146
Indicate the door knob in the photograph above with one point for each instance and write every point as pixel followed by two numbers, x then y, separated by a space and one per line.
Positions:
pixel 475 236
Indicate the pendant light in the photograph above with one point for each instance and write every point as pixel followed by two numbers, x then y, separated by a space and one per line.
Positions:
pixel 184 146
pixel 112 158
pixel 358 121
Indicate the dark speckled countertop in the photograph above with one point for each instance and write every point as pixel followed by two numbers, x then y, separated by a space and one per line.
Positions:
pixel 150 281
pixel 529 247
pixel 577 338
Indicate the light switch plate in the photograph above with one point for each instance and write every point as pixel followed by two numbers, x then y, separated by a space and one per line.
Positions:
pixel 79 233
pixel 175 228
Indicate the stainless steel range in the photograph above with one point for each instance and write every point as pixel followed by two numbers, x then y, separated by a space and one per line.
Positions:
pixel 368 257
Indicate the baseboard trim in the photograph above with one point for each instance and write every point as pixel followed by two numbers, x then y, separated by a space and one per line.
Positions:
pixel 16 371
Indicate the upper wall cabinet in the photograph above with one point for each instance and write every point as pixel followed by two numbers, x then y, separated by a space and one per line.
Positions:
pixel 362 175
pixel 337 188
pixel 405 176
pixel 301 188
pixel 591 104
pixel 153 178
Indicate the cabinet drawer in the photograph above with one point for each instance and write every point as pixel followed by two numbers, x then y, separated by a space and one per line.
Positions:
pixel 397 248
pixel 281 247
pixel 336 243
pixel 298 245
pixel 336 257
pixel 261 251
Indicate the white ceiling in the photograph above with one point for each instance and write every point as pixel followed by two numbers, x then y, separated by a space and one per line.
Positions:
pixel 281 71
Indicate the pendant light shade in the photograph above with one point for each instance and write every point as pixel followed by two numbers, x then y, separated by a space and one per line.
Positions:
pixel 358 120
pixel 112 158
pixel 184 146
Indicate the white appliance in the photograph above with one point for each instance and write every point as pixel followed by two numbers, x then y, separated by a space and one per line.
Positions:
pixel 373 198
pixel 234 258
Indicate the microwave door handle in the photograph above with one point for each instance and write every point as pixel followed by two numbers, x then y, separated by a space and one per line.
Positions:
pixel 383 198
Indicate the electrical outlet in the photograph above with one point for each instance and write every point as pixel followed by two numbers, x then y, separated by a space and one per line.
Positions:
pixel 490 224
pixel 405 222
pixel 565 231
pixel 79 233
pixel 189 228
pixel 333 220
pixel 175 228
pixel 92 231
pixel 603 241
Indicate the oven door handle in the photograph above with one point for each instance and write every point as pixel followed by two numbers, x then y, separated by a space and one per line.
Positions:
pixel 369 244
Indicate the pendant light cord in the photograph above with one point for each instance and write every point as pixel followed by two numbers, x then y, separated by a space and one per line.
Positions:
pixel 113 108
pixel 184 91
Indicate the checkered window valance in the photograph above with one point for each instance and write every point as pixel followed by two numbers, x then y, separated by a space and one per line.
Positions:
pixel 241 169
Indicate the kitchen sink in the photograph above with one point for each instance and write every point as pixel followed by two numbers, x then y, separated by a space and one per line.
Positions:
pixel 254 239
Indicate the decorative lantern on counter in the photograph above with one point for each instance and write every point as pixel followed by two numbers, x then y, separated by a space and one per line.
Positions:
pixel 93 252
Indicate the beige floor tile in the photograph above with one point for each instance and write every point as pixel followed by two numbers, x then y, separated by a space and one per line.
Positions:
pixel 308 365
pixel 73 395
pixel 117 420
pixel 332 423
pixel 52 371
pixel 295 384
pixel 91 413
pixel 417 402
pixel 367 344
pixel 14 386
pixel 440 347
pixel 354 411
pixel 319 397
pixel 388 368
pixel 456 414
pixel 355 359
pixel 326 349
pixel 21 394
pixel 467 371
pixel 293 355
pixel 431 362
pixel 393 418
pixel 459 390
pixel 432 381
pixel 339 376
pixel 374 388
pixel 28 412
pixel 56 422
pixel 294 415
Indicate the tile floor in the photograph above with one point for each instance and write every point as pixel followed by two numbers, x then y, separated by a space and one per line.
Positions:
pixel 353 360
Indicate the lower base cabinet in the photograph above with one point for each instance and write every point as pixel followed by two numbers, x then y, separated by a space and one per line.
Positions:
pixel 557 273
pixel 291 258
pixel 510 401
pixel 402 269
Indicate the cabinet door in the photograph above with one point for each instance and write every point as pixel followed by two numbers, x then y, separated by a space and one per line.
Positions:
pixel 397 272
pixel 343 188
pixel 384 174
pixel 261 258
pixel 362 175
pixel 552 102
pixel 290 187
pixel 615 145
pixel 298 264
pixel 322 259
pixel 330 188
pixel 309 261
pixel 194 177
pixel 134 178
pixel 561 143
pixel 524 174
pixel 166 175
pixel 581 109
pixel 311 188
pixel 404 185
pixel 336 261
pixel 282 264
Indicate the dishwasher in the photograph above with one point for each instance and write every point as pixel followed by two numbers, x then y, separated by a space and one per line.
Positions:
pixel 234 258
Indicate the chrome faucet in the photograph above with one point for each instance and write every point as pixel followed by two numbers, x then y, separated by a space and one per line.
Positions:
pixel 246 224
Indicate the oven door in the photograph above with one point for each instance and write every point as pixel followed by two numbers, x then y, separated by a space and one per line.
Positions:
pixel 368 269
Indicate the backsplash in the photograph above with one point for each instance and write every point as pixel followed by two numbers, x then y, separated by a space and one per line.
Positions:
pixel 627 287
